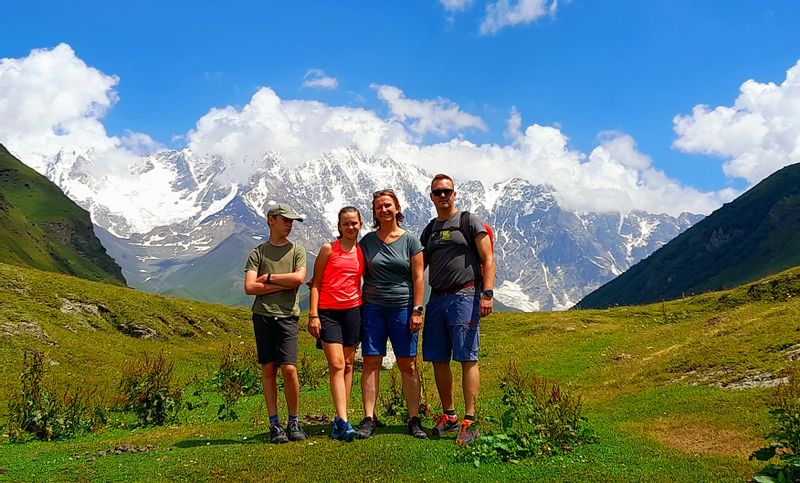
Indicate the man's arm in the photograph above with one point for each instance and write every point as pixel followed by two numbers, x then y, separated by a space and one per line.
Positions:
pixel 284 280
pixel 252 285
pixel 418 288
pixel 484 245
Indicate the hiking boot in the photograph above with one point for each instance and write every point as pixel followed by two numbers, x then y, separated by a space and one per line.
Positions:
pixel 295 431
pixel 445 424
pixel 366 428
pixel 414 428
pixel 277 435
pixel 342 430
pixel 467 433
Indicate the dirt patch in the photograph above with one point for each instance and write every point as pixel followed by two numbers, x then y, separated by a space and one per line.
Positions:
pixel 716 320
pixel 662 352
pixel 762 379
pixel 116 450
pixel 26 328
pixel 315 419
pixel 727 378
pixel 79 308
pixel 138 330
pixel 793 353
pixel 693 437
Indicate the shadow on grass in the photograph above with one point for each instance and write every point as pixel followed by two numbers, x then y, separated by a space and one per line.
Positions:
pixel 402 430
pixel 313 431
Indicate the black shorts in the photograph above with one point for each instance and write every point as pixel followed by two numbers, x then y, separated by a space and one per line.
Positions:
pixel 276 339
pixel 340 326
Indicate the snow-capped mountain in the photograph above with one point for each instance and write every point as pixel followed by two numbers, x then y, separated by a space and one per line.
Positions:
pixel 182 223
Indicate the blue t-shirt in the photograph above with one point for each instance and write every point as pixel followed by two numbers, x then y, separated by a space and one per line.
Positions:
pixel 387 274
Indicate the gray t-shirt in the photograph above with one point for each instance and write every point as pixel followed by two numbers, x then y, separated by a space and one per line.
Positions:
pixel 267 258
pixel 451 261
pixel 387 274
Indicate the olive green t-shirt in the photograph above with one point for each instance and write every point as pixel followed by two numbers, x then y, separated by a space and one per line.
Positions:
pixel 267 258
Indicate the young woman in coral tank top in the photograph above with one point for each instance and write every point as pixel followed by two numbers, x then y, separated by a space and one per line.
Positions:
pixel 334 316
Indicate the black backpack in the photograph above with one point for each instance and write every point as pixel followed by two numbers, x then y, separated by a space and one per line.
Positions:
pixel 463 227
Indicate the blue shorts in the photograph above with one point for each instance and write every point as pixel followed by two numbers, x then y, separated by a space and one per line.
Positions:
pixel 452 328
pixel 380 323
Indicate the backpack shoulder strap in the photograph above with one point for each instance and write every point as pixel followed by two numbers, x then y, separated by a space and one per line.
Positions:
pixel 466 229
pixel 427 232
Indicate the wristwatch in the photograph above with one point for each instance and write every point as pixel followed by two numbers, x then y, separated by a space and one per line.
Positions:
pixel 418 309
pixel 489 293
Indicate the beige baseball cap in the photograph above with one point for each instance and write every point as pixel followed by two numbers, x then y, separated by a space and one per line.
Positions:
pixel 284 210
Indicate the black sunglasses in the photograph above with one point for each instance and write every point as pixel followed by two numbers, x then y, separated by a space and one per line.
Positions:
pixel 381 192
pixel 444 192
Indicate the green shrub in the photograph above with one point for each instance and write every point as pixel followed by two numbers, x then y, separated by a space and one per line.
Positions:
pixel 785 441
pixel 146 389
pixel 538 418
pixel 238 375
pixel 392 399
pixel 312 374
pixel 42 412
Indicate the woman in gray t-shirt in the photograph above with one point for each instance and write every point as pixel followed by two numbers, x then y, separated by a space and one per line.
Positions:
pixel 393 292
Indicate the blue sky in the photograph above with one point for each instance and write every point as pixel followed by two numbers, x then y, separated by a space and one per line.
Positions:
pixel 587 68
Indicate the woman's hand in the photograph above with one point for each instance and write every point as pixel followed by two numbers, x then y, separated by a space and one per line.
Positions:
pixel 314 326
pixel 416 322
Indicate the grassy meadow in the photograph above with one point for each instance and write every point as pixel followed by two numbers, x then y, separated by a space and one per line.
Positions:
pixel 675 391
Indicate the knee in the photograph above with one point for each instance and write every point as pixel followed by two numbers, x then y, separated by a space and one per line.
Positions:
pixel 407 365
pixel 288 371
pixel 269 371
pixel 336 365
pixel 372 363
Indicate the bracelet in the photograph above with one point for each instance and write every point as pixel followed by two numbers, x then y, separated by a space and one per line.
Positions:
pixel 313 316
pixel 269 278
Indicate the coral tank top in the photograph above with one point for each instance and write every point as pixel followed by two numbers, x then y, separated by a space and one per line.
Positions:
pixel 341 279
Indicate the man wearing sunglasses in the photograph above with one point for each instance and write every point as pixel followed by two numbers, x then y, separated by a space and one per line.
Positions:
pixel 458 254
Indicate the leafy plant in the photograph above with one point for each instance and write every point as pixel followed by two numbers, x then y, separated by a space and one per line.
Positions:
pixel 44 413
pixel 539 418
pixel 393 401
pixel 785 441
pixel 310 373
pixel 238 375
pixel 146 389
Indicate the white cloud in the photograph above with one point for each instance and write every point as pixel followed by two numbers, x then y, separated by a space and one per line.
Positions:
pixel 756 136
pixel 513 125
pixel 298 130
pixel 455 5
pixel 503 13
pixel 51 101
pixel 437 116
pixel 622 148
pixel 615 176
pixel 316 79
pixel 140 143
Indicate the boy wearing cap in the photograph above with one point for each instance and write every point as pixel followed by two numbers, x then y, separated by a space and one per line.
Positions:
pixel 274 271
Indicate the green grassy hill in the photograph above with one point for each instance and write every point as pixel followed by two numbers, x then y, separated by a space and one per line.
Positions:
pixel 40 227
pixel 751 237
pixel 677 391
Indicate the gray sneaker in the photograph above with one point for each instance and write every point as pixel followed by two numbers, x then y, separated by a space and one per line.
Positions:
pixel 366 428
pixel 277 435
pixel 295 431
pixel 414 428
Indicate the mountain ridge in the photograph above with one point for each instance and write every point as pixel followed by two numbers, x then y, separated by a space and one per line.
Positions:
pixel 40 227
pixel 548 257
pixel 755 235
